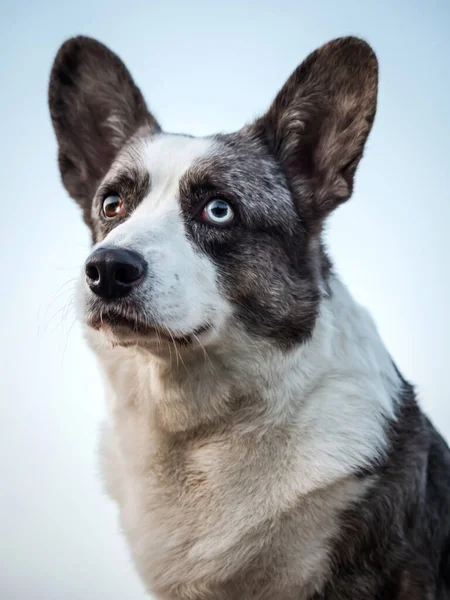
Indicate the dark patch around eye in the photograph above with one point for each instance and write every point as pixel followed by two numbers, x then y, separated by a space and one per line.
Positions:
pixel 196 189
pixel 267 261
pixel 132 186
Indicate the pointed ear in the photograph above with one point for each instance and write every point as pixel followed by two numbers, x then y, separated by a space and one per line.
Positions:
pixel 319 122
pixel 95 107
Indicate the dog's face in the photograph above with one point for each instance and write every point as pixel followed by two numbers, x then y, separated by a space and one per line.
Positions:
pixel 203 236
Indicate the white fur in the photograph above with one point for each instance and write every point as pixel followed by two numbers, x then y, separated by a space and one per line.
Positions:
pixel 320 418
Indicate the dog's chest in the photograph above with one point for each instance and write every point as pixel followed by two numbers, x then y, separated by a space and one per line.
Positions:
pixel 209 518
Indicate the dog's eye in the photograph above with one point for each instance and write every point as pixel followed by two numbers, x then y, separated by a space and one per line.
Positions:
pixel 218 212
pixel 113 206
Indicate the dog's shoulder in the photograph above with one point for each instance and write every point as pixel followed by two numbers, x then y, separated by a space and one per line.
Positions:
pixel 396 542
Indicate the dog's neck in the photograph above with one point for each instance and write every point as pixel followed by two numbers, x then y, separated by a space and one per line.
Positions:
pixel 338 389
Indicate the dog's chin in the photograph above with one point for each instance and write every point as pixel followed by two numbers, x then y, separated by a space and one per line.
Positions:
pixel 126 332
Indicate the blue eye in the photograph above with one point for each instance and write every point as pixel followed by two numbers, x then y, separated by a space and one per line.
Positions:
pixel 218 212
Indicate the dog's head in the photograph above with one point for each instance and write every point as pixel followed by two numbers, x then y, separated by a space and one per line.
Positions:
pixel 203 236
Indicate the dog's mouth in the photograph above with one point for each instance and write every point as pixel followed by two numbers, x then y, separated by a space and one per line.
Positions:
pixel 128 326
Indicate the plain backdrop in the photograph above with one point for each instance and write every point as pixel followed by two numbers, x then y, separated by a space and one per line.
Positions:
pixel 203 67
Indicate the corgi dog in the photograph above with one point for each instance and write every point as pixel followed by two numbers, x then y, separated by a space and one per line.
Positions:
pixel 260 443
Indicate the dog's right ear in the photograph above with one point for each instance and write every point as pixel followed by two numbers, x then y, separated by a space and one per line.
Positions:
pixel 95 107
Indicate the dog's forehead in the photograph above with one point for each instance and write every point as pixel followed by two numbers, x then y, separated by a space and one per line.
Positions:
pixel 163 157
pixel 168 157
pixel 233 164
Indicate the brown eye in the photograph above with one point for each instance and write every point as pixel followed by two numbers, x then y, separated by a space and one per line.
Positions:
pixel 113 206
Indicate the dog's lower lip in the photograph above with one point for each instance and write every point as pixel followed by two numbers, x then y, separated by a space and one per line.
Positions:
pixel 115 322
pixel 135 326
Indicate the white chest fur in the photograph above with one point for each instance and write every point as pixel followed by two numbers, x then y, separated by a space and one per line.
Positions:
pixel 199 519
pixel 258 493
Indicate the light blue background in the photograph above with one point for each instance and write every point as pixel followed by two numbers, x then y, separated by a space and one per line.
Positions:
pixel 203 67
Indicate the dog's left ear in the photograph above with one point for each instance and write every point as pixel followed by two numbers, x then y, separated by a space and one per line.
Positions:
pixel 319 122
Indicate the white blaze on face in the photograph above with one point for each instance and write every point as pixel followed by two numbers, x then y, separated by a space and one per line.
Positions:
pixel 180 291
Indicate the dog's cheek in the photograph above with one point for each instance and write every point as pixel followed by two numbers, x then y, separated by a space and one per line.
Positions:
pixel 270 298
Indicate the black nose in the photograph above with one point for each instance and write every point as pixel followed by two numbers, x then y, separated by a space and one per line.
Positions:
pixel 113 272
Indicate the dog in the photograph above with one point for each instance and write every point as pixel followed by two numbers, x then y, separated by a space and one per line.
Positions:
pixel 261 443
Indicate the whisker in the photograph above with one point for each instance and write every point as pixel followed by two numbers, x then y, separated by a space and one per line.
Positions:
pixel 43 319
pixel 177 352
pixel 206 355
pixel 66 341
